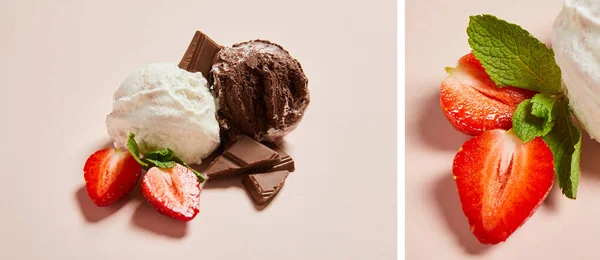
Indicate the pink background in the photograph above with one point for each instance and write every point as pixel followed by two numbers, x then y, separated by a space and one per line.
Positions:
pixel 60 63
pixel 435 225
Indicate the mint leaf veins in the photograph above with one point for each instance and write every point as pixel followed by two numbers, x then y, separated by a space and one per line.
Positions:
pixel 512 56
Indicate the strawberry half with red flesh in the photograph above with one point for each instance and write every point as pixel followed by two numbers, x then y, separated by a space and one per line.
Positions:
pixel 473 103
pixel 501 181
pixel 109 175
pixel 174 192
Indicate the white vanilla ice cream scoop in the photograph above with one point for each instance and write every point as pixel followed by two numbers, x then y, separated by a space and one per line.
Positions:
pixel 166 107
pixel 576 44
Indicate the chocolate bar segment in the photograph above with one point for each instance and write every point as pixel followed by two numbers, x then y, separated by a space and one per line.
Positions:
pixel 244 155
pixel 199 55
pixel 262 187
pixel 222 167
pixel 285 163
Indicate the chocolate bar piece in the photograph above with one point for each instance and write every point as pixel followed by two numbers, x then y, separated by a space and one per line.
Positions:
pixel 244 155
pixel 199 55
pixel 264 186
pixel 285 163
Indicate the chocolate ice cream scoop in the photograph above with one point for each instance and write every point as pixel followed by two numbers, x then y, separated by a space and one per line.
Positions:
pixel 262 91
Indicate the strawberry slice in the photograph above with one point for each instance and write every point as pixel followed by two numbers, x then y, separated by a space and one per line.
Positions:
pixel 473 103
pixel 501 181
pixel 174 192
pixel 109 175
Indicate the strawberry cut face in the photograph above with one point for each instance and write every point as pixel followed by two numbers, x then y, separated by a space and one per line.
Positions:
pixel 501 182
pixel 174 192
pixel 473 103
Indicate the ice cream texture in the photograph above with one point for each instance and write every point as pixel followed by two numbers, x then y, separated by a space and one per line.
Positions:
pixel 261 89
pixel 576 44
pixel 166 107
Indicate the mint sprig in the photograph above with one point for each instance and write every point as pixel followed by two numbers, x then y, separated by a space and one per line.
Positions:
pixel 565 142
pixel 160 155
pixel 134 149
pixel 534 117
pixel 162 158
pixel 159 164
pixel 514 57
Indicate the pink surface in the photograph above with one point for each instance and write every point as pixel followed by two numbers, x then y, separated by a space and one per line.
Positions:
pixel 61 62
pixel 435 225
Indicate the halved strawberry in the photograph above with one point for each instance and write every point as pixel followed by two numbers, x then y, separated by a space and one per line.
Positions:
pixel 473 103
pixel 109 175
pixel 501 181
pixel 174 192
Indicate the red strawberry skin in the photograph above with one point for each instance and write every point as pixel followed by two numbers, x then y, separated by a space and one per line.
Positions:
pixel 174 192
pixel 471 101
pixel 109 175
pixel 501 182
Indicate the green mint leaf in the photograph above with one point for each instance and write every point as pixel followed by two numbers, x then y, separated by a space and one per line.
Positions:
pixel 134 149
pixel 543 108
pixel 162 155
pixel 159 164
pixel 565 142
pixel 543 105
pixel 534 117
pixel 524 124
pixel 201 177
pixel 512 56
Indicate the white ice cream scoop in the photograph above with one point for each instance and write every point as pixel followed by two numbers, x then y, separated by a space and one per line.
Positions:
pixel 576 44
pixel 166 107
